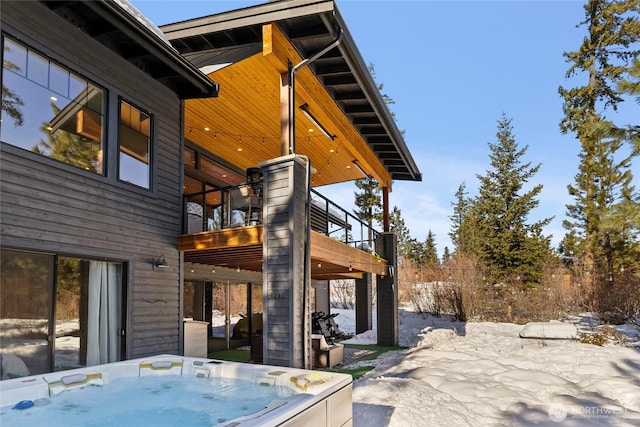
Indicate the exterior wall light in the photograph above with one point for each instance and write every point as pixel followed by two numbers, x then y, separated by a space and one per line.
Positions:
pixel 161 262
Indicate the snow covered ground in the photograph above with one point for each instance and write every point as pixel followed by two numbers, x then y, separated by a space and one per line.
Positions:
pixel 481 374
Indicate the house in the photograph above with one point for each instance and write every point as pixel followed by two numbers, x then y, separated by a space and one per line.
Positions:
pixel 294 88
pixel 91 184
pixel 186 196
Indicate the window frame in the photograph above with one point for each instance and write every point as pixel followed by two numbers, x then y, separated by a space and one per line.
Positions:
pixel 53 285
pixel 55 60
pixel 112 94
pixel 152 165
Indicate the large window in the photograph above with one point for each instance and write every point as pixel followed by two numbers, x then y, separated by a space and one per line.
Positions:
pixel 48 109
pixel 134 145
pixel 58 313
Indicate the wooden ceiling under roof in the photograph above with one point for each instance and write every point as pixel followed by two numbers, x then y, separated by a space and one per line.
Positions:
pixel 244 121
pixel 243 124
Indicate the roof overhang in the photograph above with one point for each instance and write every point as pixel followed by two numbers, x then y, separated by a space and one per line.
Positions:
pixel 122 28
pixel 309 26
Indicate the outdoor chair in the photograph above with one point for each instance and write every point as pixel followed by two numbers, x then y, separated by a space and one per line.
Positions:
pixel 243 199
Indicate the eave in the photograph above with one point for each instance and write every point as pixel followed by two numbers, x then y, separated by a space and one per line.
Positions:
pixel 114 25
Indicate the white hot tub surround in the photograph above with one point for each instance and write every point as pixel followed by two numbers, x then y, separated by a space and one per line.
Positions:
pixel 316 398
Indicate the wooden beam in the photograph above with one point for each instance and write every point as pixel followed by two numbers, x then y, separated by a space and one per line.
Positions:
pixel 241 247
pixel 234 237
pixel 285 120
pixel 330 250
pixel 89 124
pixel 279 51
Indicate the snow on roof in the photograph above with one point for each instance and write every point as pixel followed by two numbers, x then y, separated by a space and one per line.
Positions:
pixel 133 11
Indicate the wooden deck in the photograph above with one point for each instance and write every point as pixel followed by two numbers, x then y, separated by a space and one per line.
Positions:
pixel 242 248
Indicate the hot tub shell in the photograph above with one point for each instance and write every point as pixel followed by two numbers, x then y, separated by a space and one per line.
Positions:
pixel 322 399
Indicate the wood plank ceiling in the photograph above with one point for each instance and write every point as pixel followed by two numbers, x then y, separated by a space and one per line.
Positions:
pixel 308 26
pixel 242 125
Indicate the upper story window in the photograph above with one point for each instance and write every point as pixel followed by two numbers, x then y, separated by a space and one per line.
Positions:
pixel 50 110
pixel 134 145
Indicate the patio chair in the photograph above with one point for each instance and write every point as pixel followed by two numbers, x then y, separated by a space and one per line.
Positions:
pixel 243 199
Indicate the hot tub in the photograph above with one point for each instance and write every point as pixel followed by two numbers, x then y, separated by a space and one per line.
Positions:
pixel 177 390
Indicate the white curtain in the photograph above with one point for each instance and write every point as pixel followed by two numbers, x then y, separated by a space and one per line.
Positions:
pixel 103 323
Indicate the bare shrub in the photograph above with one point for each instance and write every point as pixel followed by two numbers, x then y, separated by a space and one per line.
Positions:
pixel 426 297
pixel 343 294
pixel 455 301
pixel 67 305
pixel 604 336
pixel 617 297
pixel 237 298
pixel 461 290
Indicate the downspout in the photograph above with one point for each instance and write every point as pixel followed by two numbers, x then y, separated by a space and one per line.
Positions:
pixel 293 69
pixel 292 149
pixel 307 269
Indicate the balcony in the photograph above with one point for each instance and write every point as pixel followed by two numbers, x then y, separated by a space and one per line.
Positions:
pixel 223 227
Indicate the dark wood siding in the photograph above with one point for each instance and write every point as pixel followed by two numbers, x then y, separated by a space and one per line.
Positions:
pixel 53 207
pixel 286 304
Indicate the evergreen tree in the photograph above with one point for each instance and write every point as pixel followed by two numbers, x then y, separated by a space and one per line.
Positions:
pixel 397 225
pixel 11 102
pixel 368 201
pixel 69 148
pixel 631 86
pixel 603 178
pixel 460 210
pixel 463 224
pixel 510 246
pixel 621 237
pixel 430 258
pixel 415 252
pixel 600 185
pixel 446 255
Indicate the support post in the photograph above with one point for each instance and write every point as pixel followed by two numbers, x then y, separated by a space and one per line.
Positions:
pixel 286 264
pixel 363 304
pixel 208 307
pixel 385 209
pixel 387 292
pixel 286 122
pixel 322 300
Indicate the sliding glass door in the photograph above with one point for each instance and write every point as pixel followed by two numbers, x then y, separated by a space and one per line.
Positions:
pixel 59 313
pixel 26 286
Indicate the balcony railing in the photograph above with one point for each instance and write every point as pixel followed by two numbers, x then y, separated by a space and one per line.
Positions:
pixel 241 205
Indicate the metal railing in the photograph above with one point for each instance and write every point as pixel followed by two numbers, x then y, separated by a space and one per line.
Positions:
pixel 332 220
pixel 217 209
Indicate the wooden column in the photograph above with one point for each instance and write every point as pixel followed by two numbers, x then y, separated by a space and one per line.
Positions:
pixel 285 122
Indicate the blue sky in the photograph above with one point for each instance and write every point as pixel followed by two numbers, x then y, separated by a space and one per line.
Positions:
pixel 453 68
